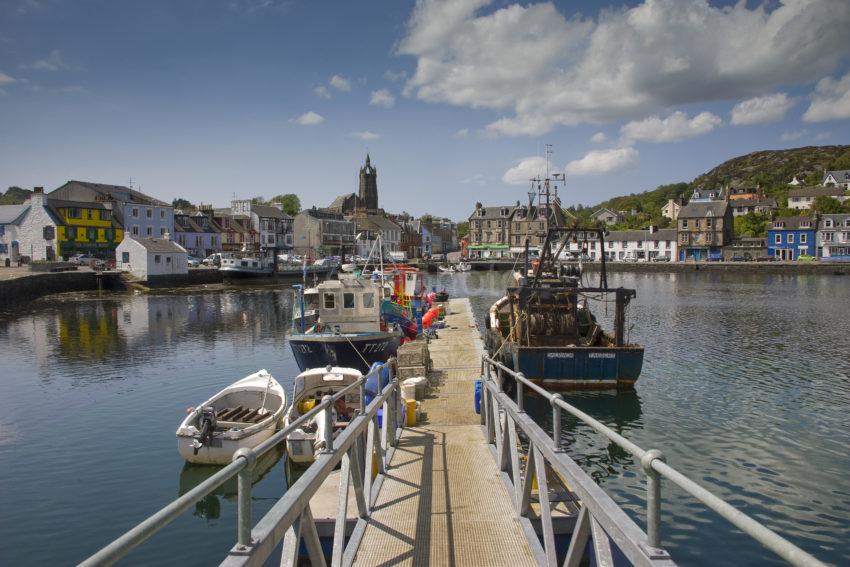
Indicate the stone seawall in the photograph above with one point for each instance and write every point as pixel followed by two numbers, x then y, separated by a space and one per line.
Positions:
pixel 790 268
pixel 27 288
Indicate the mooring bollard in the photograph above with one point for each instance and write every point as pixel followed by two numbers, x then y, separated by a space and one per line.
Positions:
pixel 243 522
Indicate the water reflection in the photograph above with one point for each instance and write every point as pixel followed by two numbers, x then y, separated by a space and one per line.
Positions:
pixel 209 507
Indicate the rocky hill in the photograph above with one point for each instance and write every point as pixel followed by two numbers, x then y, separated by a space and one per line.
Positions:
pixel 14 196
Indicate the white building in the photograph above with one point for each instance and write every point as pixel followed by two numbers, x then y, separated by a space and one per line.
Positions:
pixel 607 216
pixel 28 229
pixel 837 178
pixel 833 236
pixel 671 209
pixel 802 199
pixel 629 244
pixel 151 257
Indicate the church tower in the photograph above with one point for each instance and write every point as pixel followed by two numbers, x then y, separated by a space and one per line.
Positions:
pixel 368 192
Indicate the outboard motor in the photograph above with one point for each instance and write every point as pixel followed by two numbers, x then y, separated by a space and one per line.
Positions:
pixel 206 422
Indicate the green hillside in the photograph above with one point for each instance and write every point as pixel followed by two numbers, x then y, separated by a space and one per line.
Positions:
pixel 14 196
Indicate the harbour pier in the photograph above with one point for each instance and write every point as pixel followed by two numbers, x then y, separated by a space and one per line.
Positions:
pixel 458 488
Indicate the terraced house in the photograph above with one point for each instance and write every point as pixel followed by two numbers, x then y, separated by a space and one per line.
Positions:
pixel 834 237
pixel 490 231
pixel 704 227
pixel 86 228
pixel 788 238
pixel 137 214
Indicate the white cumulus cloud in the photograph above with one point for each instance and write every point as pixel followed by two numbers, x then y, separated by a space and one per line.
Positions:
pixel 525 170
pixel 830 101
pixel 603 161
pixel 762 109
pixel 340 83
pixel 52 62
pixel 382 97
pixel 322 92
pixel 675 127
pixel 366 135
pixel 543 66
pixel 310 118
pixel 792 135
pixel 478 179
pixel 462 133
pixel 599 138
pixel 394 76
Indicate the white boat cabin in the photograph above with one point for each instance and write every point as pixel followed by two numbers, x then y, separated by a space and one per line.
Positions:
pixel 350 305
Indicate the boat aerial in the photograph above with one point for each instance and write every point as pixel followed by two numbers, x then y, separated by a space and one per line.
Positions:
pixel 311 386
pixel 244 414
pixel 544 328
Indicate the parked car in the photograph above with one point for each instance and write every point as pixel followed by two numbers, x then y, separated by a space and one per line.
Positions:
pixel 214 259
pixel 766 259
pixel 194 262
pixel 806 258
pixel 81 259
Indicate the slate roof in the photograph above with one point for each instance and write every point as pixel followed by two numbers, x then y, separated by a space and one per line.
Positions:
pixel 375 222
pixel 700 210
pixel 340 201
pixel 817 192
pixel 268 211
pixel 793 223
pixel 122 193
pixel 160 245
pixel 753 203
pixel 840 175
pixel 492 213
pixel 10 214
pixel 596 214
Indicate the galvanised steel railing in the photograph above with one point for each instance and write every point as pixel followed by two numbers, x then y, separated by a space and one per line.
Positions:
pixel 599 516
pixel 290 518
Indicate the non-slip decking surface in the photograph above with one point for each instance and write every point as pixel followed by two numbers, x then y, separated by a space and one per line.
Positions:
pixel 443 501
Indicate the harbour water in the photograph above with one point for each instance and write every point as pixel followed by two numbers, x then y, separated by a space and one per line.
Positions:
pixel 746 384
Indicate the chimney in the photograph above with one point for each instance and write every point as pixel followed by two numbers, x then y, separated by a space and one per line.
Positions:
pixel 37 197
pixel 652 229
pixel 166 236
pixel 38 190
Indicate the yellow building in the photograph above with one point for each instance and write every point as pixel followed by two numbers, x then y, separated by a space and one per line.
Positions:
pixel 86 228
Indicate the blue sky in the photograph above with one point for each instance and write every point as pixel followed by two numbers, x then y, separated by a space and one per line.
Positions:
pixel 454 100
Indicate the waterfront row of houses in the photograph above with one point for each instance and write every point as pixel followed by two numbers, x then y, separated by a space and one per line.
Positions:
pixel 92 218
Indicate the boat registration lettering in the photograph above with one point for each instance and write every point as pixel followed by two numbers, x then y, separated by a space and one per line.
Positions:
pixel 559 355
pixel 374 347
pixel 305 349
pixel 601 355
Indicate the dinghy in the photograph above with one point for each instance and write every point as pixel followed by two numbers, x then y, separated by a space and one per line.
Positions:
pixel 310 386
pixel 244 414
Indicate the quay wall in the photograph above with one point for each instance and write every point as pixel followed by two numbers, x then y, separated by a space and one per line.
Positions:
pixel 790 268
pixel 27 288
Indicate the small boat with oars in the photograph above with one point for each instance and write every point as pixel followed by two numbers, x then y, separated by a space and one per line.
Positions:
pixel 244 414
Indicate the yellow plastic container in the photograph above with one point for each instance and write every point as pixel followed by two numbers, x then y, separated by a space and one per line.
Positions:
pixel 411 413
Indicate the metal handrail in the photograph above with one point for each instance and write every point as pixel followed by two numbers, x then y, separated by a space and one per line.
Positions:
pixel 654 467
pixel 243 461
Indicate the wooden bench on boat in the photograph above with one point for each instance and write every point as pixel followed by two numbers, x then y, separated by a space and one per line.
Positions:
pixel 232 417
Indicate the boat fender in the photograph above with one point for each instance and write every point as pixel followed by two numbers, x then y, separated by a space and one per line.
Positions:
pixel 207 421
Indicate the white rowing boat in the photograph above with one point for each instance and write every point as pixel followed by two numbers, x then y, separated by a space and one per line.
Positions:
pixel 244 414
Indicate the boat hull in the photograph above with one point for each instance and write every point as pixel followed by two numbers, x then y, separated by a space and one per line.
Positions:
pixel 220 451
pixel 245 274
pixel 576 368
pixel 348 350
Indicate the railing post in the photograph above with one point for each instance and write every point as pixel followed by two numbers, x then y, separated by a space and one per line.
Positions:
pixel 243 522
pixel 362 389
pixel 556 421
pixel 653 497
pixel 328 402
pixel 520 394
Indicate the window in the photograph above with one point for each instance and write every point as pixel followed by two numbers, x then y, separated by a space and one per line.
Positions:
pixel 791 238
pixel 368 300
pixel 105 215
pixel 162 213
pixel 150 231
pixel 778 239
pixel 827 236
pixel 125 257
pixel 162 231
pixel 156 259
pixel 330 302
pixel 707 223
pixel 75 213
pixel 135 213
pixel 685 224
pixel 827 223
pixel 168 259
pixel 348 301
pixel 149 213
pixel 804 238
pixel 48 232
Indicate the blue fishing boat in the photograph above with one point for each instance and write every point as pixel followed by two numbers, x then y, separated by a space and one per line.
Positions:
pixel 544 328
pixel 339 323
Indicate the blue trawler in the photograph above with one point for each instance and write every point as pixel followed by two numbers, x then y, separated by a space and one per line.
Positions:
pixel 543 326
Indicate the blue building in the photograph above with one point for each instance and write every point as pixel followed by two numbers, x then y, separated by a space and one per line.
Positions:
pixel 789 238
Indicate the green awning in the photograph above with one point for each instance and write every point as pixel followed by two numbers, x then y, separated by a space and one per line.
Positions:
pixel 489 247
